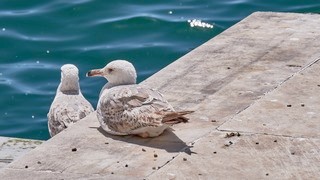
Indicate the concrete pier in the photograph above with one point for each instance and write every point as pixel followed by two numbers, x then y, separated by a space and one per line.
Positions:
pixel 255 90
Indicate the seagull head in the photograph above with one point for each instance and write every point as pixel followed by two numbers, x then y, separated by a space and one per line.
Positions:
pixel 69 78
pixel 117 72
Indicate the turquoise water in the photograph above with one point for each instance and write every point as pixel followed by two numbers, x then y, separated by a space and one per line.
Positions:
pixel 37 37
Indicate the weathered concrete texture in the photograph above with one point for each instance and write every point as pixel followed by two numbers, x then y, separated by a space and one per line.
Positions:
pixel 248 156
pixel 14 148
pixel 25 174
pixel 293 109
pixel 227 81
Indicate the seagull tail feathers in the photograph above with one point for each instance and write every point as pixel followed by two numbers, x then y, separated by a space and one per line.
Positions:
pixel 175 117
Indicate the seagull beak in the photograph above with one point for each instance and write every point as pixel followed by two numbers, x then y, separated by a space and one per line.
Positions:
pixel 94 72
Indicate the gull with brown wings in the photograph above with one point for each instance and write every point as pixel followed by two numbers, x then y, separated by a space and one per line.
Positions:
pixel 126 108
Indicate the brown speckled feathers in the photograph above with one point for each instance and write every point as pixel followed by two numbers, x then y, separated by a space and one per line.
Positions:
pixel 127 108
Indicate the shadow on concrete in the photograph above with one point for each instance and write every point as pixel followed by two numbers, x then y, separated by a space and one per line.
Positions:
pixel 167 141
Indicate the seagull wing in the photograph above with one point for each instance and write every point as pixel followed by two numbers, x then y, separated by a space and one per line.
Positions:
pixel 66 110
pixel 126 108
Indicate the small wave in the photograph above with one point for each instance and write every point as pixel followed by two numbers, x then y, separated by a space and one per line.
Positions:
pixel 25 66
pixel 41 8
pixel 134 18
pixel 16 35
pixel 14 74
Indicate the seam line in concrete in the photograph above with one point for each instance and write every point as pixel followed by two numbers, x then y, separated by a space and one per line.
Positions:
pixel 276 87
pixel 294 74
pixel 269 134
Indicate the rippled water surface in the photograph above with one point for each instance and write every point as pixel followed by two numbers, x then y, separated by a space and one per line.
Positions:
pixel 37 37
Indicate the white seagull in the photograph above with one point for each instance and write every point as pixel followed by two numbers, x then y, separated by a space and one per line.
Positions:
pixel 69 105
pixel 125 107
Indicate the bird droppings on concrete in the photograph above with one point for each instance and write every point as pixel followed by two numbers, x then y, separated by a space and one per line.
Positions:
pixel 293 65
pixel 228 135
pixel 228 144
pixel 74 149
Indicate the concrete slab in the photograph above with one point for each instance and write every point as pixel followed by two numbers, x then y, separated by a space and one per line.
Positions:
pixel 220 80
pixel 249 156
pixel 13 148
pixel 293 109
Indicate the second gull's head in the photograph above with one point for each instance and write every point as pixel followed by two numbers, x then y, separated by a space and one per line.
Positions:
pixel 69 78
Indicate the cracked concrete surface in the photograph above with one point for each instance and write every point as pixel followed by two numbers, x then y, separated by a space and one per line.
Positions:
pixel 259 78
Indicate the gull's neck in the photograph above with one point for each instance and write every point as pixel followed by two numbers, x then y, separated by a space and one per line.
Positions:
pixel 69 87
pixel 109 85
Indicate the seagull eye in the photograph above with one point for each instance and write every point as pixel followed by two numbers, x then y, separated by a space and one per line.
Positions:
pixel 110 70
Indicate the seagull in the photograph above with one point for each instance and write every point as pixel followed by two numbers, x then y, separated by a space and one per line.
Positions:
pixel 127 108
pixel 69 105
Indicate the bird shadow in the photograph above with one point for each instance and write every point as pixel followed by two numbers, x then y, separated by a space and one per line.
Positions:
pixel 167 141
